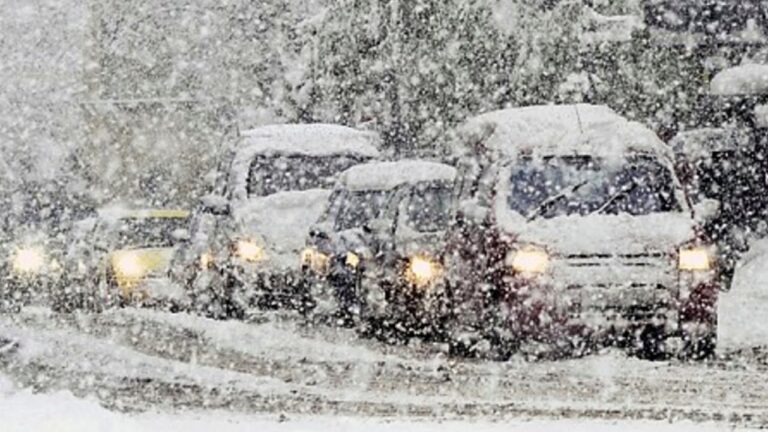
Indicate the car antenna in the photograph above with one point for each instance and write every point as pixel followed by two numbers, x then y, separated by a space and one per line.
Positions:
pixel 581 126
pixel 578 118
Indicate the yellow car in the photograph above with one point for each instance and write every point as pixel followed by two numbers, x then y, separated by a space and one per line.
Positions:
pixel 138 247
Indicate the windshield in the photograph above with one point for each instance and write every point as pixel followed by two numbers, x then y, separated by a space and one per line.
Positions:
pixel 429 208
pixel 148 233
pixel 560 186
pixel 273 174
pixel 357 209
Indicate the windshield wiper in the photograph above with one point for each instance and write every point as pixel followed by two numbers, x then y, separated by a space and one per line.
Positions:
pixel 544 205
pixel 624 191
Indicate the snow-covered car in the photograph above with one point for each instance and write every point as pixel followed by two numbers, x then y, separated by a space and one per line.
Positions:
pixel 572 229
pixel 133 250
pixel 277 180
pixel 374 257
pixel 42 228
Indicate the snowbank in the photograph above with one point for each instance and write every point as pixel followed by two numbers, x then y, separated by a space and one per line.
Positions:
pixel 743 311
pixel 749 79
pixel 389 175
pixel 559 130
pixel 23 411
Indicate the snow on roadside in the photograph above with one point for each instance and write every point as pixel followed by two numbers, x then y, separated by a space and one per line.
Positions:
pixel 25 411
pixel 743 310
pixel 277 341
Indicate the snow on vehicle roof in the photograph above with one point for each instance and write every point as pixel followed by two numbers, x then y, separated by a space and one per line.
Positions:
pixel 558 130
pixel 314 139
pixel 748 79
pixel 389 175
pixel 701 143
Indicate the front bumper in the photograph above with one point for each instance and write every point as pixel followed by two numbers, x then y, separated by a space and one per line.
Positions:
pixel 22 290
pixel 383 297
pixel 252 286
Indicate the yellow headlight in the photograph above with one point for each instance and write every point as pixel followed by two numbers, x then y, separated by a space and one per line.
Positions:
pixel 694 259
pixel 249 251
pixel 128 266
pixel 206 261
pixel 530 261
pixel 28 260
pixel 353 260
pixel 315 260
pixel 422 271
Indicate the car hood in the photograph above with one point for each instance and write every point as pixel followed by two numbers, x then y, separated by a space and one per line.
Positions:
pixel 281 221
pixel 604 234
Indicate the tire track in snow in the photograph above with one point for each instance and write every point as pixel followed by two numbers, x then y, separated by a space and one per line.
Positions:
pixel 393 386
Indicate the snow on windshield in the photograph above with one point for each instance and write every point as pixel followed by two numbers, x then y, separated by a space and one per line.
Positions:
pixel 383 215
pixel 637 188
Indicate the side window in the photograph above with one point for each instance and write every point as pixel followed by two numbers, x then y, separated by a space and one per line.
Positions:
pixel 360 208
pixel 430 206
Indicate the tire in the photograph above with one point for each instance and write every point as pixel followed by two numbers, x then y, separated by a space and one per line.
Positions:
pixel 650 343
pixel 699 347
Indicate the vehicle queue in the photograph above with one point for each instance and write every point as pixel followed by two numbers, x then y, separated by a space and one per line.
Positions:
pixel 563 227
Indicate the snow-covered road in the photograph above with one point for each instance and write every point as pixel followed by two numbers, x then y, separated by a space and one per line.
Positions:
pixel 146 361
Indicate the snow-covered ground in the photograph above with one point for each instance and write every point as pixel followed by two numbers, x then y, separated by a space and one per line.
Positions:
pixel 152 369
pixel 24 411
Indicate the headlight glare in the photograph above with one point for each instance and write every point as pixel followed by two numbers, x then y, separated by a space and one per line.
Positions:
pixel 694 259
pixel 353 260
pixel 422 271
pixel 315 260
pixel 206 261
pixel 531 261
pixel 28 260
pixel 249 251
pixel 128 266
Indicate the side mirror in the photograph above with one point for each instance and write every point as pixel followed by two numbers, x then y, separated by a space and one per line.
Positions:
pixel 319 231
pixel 215 205
pixel 473 211
pixel 377 226
pixel 181 234
pixel 706 209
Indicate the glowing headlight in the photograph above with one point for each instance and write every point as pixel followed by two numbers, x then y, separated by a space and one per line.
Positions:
pixel 28 260
pixel 422 271
pixel 128 266
pixel 529 261
pixel 694 259
pixel 352 259
pixel 315 260
pixel 206 261
pixel 249 251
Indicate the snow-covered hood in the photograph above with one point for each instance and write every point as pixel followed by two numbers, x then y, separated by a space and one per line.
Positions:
pixel 281 221
pixel 603 234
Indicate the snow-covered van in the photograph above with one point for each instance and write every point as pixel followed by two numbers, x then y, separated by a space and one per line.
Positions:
pixel 277 181
pixel 375 254
pixel 573 227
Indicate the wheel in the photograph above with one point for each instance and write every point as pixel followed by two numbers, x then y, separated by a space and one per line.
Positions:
pixel 650 343
pixel 699 345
